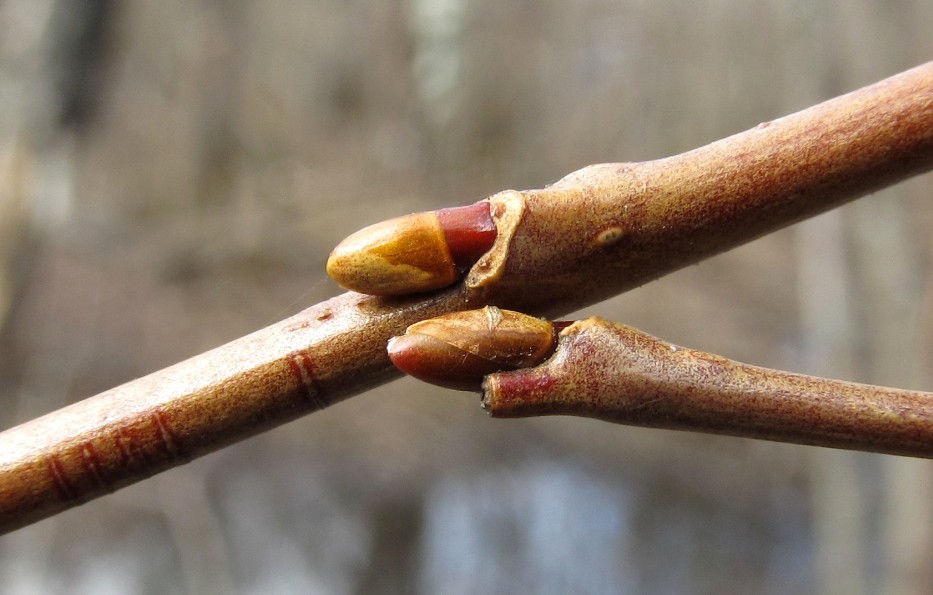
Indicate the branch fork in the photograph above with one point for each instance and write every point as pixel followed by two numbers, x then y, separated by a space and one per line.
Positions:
pixel 600 231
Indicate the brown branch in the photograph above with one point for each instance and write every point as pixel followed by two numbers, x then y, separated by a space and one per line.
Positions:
pixel 615 373
pixel 609 228
pixel 598 232
pixel 304 363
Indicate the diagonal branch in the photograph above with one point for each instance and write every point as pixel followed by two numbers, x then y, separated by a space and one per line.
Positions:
pixel 615 373
pixel 597 232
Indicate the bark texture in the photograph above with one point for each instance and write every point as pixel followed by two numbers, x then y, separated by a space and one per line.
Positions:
pixel 615 373
pixel 612 227
pixel 597 232
pixel 304 363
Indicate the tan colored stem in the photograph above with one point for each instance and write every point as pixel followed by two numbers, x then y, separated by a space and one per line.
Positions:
pixel 609 228
pixel 598 232
pixel 615 373
pixel 304 363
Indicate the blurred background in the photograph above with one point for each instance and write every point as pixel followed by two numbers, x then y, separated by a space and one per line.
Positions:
pixel 173 175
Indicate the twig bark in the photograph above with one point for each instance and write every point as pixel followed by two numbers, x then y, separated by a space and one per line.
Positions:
pixel 600 231
pixel 609 228
pixel 615 373
pixel 304 363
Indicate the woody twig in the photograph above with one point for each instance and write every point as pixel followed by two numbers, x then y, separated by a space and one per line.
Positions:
pixel 600 231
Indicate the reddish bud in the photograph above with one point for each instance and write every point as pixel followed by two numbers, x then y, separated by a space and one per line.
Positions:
pixel 469 231
pixel 457 350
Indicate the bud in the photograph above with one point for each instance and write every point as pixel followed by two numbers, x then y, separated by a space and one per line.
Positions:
pixel 414 253
pixel 457 350
pixel 403 255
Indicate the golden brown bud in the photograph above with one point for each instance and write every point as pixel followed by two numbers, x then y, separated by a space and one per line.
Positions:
pixel 404 255
pixel 414 253
pixel 456 350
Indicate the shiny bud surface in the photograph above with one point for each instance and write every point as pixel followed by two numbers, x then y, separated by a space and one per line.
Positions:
pixel 457 350
pixel 399 256
pixel 414 253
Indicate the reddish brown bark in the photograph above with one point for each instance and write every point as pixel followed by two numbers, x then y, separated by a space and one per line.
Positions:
pixel 615 373
pixel 599 231
pixel 609 228
pixel 309 361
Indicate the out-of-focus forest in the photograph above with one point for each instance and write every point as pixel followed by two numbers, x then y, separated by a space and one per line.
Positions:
pixel 173 175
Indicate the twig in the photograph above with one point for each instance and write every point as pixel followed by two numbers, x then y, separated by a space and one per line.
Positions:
pixel 615 373
pixel 612 372
pixel 304 363
pixel 598 232
pixel 609 228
